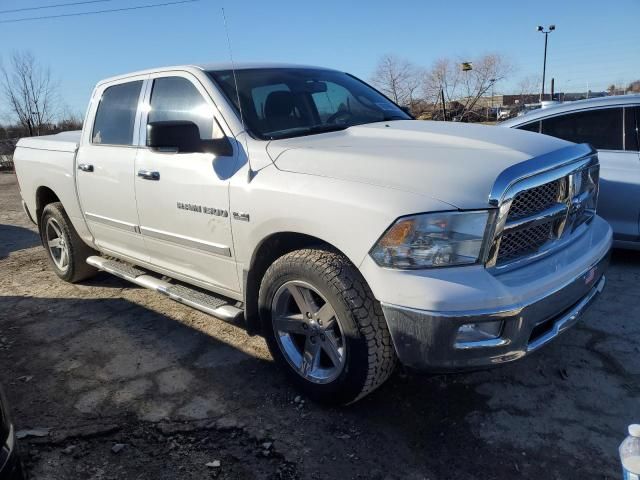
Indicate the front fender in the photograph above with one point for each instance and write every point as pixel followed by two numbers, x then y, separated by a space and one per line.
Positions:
pixel 348 215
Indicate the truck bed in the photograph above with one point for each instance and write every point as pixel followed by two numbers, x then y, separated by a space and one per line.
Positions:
pixel 45 166
pixel 60 142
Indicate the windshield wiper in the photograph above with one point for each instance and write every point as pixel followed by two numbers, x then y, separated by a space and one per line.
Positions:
pixel 389 118
pixel 310 130
pixel 327 128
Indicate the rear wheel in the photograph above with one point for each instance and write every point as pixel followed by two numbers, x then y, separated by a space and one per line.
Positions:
pixel 324 326
pixel 67 253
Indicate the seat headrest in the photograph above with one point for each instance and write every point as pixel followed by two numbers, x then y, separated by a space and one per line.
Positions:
pixel 279 104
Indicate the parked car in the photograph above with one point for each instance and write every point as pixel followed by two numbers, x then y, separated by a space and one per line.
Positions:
pixel 609 124
pixel 306 202
pixel 10 465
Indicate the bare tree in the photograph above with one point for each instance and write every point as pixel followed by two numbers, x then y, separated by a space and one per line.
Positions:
pixel 29 91
pixel 634 87
pixel 397 78
pixel 69 120
pixel 465 88
pixel 527 89
pixel 443 78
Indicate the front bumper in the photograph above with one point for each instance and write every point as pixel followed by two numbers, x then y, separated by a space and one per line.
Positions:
pixel 426 340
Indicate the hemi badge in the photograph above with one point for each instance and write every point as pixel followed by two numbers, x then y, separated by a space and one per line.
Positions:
pixel 242 216
pixel 590 275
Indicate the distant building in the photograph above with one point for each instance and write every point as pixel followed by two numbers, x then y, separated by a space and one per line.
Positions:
pixel 569 97
pixel 511 100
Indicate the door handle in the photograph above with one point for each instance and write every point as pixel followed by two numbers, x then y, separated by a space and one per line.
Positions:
pixel 149 175
pixel 85 167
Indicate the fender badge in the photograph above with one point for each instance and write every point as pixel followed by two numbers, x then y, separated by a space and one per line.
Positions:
pixel 242 216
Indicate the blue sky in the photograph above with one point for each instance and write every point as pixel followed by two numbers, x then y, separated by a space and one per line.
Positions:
pixel 595 44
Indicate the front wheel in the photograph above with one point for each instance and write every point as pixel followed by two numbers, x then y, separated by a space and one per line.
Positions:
pixel 324 326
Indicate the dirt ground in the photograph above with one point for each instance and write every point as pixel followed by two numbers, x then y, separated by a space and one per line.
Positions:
pixel 116 381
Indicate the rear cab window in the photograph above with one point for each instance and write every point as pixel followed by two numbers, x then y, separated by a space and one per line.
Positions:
pixel 116 115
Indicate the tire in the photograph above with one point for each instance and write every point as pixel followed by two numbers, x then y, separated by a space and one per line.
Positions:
pixel 55 225
pixel 355 353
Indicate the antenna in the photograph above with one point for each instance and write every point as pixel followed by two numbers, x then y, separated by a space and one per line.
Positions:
pixel 235 81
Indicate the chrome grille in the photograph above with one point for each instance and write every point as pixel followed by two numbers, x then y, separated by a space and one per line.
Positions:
pixel 535 199
pixel 514 245
pixel 540 216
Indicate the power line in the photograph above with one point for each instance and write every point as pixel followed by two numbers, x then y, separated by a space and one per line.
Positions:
pixel 53 6
pixel 96 12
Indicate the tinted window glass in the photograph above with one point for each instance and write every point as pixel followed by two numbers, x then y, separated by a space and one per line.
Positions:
pixel 260 95
pixel 176 98
pixel 289 102
pixel 117 114
pixel 632 128
pixel 530 127
pixel 601 128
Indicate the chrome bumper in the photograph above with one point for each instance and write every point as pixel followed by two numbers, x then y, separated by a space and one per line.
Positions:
pixel 427 340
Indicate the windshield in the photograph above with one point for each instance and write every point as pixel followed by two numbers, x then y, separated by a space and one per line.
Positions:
pixel 290 102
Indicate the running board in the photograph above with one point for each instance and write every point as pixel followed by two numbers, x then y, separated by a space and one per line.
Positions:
pixel 206 302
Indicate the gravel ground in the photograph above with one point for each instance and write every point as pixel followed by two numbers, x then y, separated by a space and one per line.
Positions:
pixel 116 381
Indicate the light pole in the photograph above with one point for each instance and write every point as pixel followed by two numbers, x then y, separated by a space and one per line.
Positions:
pixel 544 64
pixel 493 82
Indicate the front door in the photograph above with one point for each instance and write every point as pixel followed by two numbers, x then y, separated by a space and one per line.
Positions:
pixel 105 169
pixel 183 198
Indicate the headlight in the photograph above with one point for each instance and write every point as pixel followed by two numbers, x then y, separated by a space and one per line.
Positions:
pixel 433 240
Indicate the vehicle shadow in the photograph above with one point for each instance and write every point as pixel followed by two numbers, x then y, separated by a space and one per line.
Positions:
pixel 106 280
pixel 622 257
pixel 113 357
pixel 14 238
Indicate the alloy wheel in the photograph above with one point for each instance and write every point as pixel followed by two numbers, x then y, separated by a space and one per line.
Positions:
pixel 58 248
pixel 308 332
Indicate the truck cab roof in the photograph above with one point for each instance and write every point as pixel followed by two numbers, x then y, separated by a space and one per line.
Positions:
pixel 210 67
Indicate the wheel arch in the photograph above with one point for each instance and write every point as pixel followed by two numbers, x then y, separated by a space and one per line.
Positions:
pixel 268 251
pixel 44 196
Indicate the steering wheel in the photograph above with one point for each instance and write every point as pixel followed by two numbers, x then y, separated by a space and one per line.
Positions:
pixel 339 117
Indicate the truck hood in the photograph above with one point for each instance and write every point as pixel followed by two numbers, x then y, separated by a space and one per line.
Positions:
pixel 452 162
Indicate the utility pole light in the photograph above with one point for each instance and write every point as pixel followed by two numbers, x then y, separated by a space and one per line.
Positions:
pixel 493 82
pixel 544 65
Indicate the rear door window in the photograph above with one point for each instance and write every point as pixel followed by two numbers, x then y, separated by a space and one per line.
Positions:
pixel 601 128
pixel 116 115
pixel 632 128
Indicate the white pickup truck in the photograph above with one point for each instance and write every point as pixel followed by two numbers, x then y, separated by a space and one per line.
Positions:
pixel 305 202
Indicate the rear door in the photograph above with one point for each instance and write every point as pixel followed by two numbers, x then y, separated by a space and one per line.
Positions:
pixel 184 205
pixel 106 162
pixel 603 128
